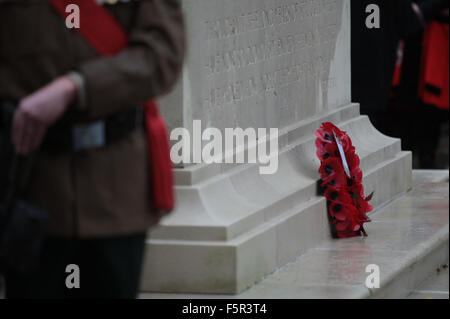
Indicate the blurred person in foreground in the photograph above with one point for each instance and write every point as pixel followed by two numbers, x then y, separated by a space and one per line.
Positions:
pixel 97 198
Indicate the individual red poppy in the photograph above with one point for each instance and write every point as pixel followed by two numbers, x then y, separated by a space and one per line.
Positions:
pixel 336 195
pixel 356 175
pixel 347 226
pixel 332 173
pixel 326 150
pixel 330 166
pixel 355 190
pixel 346 143
pixel 327 131
pixel 352 159
pixel 340 211
pixel 350 226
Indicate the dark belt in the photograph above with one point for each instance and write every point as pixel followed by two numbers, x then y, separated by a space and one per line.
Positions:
pixel 75 137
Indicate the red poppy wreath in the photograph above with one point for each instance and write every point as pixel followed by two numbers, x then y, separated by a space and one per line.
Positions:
pixel 341 182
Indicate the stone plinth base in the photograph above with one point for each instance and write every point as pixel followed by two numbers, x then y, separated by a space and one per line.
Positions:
pixel 233 226
pixel 408 240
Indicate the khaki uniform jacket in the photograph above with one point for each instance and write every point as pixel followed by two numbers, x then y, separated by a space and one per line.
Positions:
pixel 99 192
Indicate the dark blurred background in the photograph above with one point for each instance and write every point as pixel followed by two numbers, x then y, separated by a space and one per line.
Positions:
pixel 400 74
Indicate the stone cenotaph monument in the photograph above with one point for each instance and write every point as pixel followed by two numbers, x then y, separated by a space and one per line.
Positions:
pixel 272 64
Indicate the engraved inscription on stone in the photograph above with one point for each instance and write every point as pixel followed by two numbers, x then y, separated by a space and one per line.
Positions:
pixel 264 63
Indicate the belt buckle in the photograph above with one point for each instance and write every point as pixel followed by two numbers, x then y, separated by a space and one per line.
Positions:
pixel 88 136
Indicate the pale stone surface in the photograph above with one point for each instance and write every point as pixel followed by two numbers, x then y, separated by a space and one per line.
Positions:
pixel 232 225
pixel 434 287
pixel 263 63
pixel 408 240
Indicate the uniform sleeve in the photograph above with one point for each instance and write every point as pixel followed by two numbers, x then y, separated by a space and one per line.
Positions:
pixel 147 68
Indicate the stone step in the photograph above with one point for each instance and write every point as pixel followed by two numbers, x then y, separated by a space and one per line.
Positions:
pixel 408 239
pixel 434 287
pixel 231 204
pixel 255 253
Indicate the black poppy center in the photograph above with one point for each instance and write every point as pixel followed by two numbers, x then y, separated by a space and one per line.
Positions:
pixel 326 155
pixel 328 169
pixel 353 195
pixel 334 195
pixel 328 137
pixel 337 207
pixel 349 182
